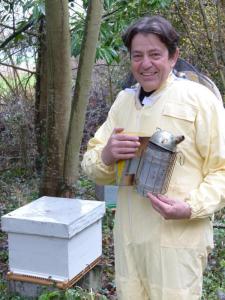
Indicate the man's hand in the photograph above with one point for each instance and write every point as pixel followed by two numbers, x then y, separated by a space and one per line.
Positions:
pixel 170 208
pixel 120 146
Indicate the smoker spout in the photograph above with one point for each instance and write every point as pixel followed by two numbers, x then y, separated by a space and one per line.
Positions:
pixel 179 139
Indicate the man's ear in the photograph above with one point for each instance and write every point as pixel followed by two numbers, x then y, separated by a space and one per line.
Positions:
pixel 174 58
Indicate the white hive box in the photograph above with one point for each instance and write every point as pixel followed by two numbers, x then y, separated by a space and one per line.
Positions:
pixel 54 238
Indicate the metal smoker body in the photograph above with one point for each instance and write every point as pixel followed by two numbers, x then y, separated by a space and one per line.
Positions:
pixel 157 162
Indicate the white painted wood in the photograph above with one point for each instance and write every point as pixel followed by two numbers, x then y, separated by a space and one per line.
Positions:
pixel 85 248
pixel 53 216
pixel 54 237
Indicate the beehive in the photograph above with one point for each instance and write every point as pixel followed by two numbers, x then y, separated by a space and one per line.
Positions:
pixel 54 239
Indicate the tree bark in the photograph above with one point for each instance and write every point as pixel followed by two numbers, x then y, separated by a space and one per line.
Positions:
pixel 81 94
pixel 59 94
pixel 41 94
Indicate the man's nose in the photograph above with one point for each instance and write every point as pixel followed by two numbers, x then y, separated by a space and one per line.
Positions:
pixel 147 62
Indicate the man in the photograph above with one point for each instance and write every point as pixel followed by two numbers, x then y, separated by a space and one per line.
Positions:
pixel 162 242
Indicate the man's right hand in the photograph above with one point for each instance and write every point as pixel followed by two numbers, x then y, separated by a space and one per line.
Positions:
pixel 119 146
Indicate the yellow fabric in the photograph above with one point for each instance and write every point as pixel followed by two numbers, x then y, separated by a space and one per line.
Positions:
pixel 159 259
pixel 191 75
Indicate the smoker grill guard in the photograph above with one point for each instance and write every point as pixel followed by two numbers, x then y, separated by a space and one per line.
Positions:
pixel 156 164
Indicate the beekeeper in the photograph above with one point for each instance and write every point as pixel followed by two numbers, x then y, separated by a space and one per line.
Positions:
pixel 162 241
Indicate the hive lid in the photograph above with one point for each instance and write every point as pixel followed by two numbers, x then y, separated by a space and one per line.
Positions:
pixel 53 216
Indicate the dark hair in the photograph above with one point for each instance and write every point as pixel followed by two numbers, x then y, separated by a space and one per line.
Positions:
pixel 156 25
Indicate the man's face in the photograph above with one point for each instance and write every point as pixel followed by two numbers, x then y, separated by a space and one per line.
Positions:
pixel 150 62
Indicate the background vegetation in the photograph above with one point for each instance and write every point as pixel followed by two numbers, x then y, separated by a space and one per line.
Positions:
pixel 24 79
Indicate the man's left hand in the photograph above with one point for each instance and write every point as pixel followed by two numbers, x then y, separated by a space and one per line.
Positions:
pixel 170 208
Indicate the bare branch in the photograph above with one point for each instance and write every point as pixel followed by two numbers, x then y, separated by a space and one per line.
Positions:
pixel 11 28
pixel 216 225
pixel 186 27
pixel 6 26
pixel 7 83
pixel 18 68
pixel 219 11
pixel 211 42
pixel 17 77
pixel 112 12
pixel 12 36
pixel 26 84
pixel 76 2
pixel 17 32
pixel 205 21
pixel 15 52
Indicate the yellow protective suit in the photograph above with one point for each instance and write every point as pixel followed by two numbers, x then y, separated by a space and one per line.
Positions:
pixel 158 259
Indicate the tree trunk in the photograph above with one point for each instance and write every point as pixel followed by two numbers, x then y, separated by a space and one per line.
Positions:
pixel 81 94
pixel 59 94
pixel 41 93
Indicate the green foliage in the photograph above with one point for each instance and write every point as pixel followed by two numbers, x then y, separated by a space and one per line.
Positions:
pixel 29 11
pixel 17 188
pixel 77 35
pixel 4 256
pixel 116 17
pixel 4 294
pixel 200 32
pixel 10 84
pixel 108 220
pixel 214 277
pixel 84 188
pixel 55 295
pixel 35 7
pixel 185 15
pixel 72 294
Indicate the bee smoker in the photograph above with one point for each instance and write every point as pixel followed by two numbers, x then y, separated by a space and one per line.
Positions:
pixel 157 162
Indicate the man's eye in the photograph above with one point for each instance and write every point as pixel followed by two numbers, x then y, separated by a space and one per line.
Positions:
pixel 136 56
pixel 155 55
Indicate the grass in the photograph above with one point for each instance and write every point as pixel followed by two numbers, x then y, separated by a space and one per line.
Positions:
pixel 9 84
pixel 214 277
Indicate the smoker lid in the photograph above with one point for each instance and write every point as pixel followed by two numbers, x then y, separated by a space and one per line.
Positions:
pixel 166 140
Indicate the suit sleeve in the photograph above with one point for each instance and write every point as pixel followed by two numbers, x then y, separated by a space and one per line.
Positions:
pixel 92 163
pixel 209 197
